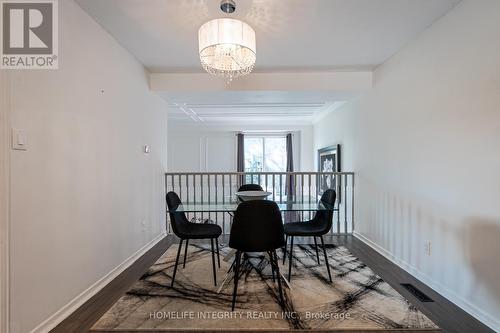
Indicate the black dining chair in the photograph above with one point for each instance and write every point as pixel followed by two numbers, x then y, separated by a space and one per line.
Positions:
pixel 250 187
pixel 317 227
pixel 257 227
pixel 186 230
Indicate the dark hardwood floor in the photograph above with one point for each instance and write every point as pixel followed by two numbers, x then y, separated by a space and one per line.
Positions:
pixel 444 313
pixel 85 316
pixel 449 317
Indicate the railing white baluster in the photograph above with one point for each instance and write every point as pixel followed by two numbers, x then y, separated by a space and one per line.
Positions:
pixel 224 201
pixel 352 202
pixel 281 188
pixel 187 188
pixel 274 187
pixel 345 202
pixel 180 186
pixel 309 194
pixel 194 188
pixel 295 194
pixel 302 184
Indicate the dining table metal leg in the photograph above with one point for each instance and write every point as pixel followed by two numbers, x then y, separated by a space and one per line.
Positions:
pixel 230 274
pixel 275 263
pixel 290 260
pixel 271 261
pixel 284 249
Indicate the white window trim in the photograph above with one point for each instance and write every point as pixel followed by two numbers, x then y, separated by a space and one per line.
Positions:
pixel 296 137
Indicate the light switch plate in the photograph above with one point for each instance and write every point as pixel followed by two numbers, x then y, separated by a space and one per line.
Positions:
pixel 19 139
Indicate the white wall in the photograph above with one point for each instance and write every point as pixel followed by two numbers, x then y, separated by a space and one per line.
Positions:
pixel 80 193
pixel 425 144
pixel 212 148
pixel 4 198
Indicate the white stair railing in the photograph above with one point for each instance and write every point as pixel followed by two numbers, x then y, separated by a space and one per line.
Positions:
pixel 211 187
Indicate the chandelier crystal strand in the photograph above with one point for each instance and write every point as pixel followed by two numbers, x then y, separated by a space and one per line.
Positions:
pixel 227 48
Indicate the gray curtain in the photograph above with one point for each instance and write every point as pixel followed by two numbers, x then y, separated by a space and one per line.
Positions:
pixel 290 181
pixel 240 157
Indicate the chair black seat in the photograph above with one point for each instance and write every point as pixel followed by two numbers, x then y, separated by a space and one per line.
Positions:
pixel 199 230
pixel 317 227
pixel 304 229
pixel 186 230
pixel 257 227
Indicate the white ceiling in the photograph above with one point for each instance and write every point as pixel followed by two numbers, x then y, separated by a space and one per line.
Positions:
pixel 238 107
pixel 291 34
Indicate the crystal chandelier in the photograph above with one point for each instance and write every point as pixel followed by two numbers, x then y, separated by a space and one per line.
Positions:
pixel 227 46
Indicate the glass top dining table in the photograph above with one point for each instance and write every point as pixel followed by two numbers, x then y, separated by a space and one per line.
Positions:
pixel 303 205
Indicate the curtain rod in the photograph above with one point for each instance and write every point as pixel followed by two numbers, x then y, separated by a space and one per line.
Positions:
pixel 265 132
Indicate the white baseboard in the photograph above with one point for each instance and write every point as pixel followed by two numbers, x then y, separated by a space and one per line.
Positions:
pixel 485 318
pixel 79 300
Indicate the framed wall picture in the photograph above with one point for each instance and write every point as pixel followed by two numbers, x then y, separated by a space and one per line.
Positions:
pixel 329 160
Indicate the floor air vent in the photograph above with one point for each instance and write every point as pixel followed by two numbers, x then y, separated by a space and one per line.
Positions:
pixel 417 293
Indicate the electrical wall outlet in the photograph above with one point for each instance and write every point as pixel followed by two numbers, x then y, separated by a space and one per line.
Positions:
pixel 143 225
pixel 427 248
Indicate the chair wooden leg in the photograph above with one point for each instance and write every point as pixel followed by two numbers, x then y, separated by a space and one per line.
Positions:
pixel 284 249
pixel 185 253
pixel 316 247
pixel 290 260
pixel 236 277
pixel 275 259
pixel 217 246
pixel 213 260
pixel 326 259
pixel 176 262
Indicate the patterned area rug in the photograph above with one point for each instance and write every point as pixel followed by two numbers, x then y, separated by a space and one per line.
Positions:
pixel 357 299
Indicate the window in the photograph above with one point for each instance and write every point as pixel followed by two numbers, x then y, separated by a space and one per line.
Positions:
pixel 265 154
